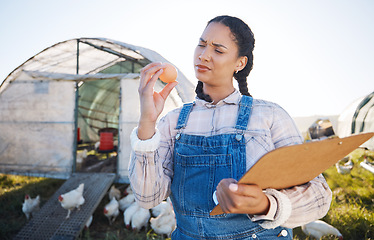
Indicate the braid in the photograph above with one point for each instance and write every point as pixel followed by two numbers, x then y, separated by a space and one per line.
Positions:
pixel 200 92
pixel 243 88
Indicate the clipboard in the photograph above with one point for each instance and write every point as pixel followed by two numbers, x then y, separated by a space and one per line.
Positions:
pixel 298 164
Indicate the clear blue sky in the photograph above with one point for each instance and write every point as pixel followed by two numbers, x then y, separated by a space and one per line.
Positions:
pixel 311 57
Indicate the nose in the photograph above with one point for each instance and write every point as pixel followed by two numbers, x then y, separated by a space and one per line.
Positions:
pixel 204 55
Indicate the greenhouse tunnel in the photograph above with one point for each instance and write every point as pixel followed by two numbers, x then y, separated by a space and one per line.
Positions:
pixel 60 106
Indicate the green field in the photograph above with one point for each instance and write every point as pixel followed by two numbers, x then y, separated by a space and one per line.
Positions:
pixel 352 209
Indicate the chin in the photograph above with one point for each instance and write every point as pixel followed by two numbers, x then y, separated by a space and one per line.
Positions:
pixel 201 77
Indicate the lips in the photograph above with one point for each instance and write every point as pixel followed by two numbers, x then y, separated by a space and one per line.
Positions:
pixel 202 68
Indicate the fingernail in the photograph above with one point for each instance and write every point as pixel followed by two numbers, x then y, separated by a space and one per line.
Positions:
pixel 233 187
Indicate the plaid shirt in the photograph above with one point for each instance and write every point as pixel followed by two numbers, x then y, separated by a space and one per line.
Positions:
pixel 270 127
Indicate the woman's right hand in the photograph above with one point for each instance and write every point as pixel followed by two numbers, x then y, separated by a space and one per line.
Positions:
pixel 151 102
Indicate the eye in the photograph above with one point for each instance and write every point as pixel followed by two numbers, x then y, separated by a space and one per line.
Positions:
pixel 218 51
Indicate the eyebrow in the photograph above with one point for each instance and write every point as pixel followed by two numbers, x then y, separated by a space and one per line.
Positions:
pixel 214 44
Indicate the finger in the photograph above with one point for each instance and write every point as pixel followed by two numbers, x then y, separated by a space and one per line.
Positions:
pixel 167 89
pixel 224 183
pixel 147 67
pixel 147 72
pixel 248 190
pixel 152 81
pixel 233 203
pixel 148 81
pixel 224 201
pixel 224 195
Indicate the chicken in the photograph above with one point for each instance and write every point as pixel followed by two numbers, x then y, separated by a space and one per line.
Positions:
pixel 111 210
pixel 129 212
pixel 346 168
pixel 72 199
pixel 163 206
pixel 140 219
pixel 97 146
pixel 114 193
pixel 128 191
pixel 137 216
pixel 81 155
pixel 165 222
pixel 125 202
pixel 319 228
pixel 30 205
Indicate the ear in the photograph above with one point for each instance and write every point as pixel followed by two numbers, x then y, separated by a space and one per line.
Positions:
pixel 241 63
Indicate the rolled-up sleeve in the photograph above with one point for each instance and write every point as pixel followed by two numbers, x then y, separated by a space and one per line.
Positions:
pixel 301 204
pixel 309 202
pixel 150 167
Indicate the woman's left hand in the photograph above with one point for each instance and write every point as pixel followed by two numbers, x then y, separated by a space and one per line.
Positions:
pixel 241 198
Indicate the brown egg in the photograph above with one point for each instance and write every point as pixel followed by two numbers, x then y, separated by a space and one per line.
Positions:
pixel 170 73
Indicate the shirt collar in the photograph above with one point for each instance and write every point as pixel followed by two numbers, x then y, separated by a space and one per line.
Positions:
pixel 233 98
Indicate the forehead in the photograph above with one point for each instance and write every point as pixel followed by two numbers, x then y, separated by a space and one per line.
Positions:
pixel 219 34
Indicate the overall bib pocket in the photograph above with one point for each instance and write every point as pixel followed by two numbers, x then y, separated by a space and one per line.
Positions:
pixel 197 180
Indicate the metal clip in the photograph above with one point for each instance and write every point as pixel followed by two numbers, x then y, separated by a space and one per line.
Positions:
pixel 283 233
pixel 178 136
pixel 238 137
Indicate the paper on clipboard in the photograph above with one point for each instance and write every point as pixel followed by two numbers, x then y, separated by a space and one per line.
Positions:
pixel 294 165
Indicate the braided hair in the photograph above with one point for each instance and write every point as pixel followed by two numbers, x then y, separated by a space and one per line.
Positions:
pixel 245 41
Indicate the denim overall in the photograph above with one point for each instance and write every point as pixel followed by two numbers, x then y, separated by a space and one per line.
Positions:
pixel 200 163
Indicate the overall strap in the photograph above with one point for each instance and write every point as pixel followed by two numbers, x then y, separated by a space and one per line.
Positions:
pixel 183 115
pixel 244 113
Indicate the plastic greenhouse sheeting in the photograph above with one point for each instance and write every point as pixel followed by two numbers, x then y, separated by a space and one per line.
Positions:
pixel 69 92
pixel 36 129
pixel 358 117
pixel 96 55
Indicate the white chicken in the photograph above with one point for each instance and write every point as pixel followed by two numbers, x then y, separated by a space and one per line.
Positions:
pixel 111 210
pixel 137 216
pixel 319 228
pixel 140 219
pixel 128 190
pixel 97 145
pixel 72 199
pixel 165 222
pixel 163 206
pixel 114 193
pixel 346 168
pixel 30 205
pixel 81 155
pixel 125 202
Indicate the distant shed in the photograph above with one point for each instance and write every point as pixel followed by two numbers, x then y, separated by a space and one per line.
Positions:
pixel 358 117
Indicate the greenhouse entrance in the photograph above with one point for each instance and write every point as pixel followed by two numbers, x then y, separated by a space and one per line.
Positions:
pixel 98 123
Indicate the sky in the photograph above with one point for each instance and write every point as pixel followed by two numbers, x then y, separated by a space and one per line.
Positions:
pixel 311 57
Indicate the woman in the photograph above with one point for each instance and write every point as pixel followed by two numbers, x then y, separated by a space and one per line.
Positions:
pixel 202 149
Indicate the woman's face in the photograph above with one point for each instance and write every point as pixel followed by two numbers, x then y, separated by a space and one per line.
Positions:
pixel 216 56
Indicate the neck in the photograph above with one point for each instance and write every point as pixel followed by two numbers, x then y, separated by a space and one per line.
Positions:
pixel 217 93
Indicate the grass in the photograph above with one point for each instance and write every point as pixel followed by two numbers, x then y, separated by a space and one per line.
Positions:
pixel 12 193
pixel 352 208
